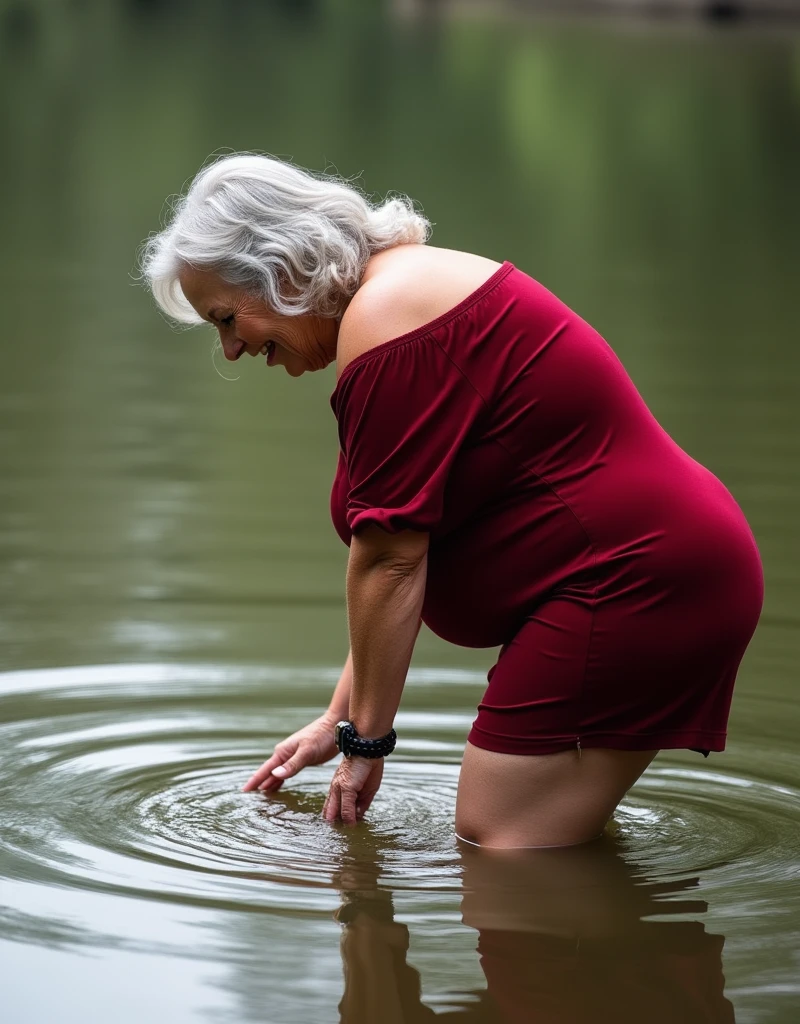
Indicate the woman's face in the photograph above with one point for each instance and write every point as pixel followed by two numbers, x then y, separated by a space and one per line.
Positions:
pixel 245 324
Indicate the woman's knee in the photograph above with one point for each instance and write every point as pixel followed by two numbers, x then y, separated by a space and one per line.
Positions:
pixel 563 799
pixel 530 832
pixel 509 800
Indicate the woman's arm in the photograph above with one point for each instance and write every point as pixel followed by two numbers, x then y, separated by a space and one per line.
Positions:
pixel 385 591
pixel 339 707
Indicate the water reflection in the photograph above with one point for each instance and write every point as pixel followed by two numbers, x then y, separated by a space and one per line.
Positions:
pixel 650 179
pixel 379 983
pixel 125 831
pixel 563 935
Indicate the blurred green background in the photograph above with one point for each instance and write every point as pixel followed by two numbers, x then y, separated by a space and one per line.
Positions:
pixel 152 511
pixel 647 173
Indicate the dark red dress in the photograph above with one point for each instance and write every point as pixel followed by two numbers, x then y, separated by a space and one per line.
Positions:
pixel 618 575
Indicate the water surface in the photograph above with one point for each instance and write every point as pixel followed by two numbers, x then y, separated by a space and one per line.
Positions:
pixel 172 589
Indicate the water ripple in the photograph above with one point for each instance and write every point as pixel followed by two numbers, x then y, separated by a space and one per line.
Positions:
pixel 126 779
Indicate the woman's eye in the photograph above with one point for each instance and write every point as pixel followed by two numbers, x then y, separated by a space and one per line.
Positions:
pixel 227 320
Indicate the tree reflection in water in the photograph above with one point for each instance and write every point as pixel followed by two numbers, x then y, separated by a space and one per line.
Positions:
pixel 562 939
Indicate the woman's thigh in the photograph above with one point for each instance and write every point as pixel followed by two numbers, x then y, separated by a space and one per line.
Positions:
pixel 513 800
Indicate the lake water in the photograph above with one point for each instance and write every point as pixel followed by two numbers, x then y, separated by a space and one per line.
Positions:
pixel 172 589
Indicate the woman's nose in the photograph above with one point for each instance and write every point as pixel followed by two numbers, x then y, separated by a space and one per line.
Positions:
pixel 232 348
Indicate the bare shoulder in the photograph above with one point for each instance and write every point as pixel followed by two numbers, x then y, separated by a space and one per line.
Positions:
pixel 402 290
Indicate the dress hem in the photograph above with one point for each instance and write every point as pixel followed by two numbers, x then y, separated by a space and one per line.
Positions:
pixel 702 741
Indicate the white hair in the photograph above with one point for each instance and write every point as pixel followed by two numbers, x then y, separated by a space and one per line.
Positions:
pixel 299 241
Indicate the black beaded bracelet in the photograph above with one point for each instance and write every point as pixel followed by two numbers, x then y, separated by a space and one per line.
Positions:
pixel 353 745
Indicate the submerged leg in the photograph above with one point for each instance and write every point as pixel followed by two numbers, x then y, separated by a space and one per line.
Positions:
pixel 514 800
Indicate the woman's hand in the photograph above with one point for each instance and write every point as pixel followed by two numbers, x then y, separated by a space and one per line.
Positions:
pixel 354 785
pixel 313 744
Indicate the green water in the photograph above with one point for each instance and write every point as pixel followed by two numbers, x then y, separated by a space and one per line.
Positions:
pixel 172 589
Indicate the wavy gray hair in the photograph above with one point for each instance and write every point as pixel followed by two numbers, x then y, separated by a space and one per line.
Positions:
pixel 299 241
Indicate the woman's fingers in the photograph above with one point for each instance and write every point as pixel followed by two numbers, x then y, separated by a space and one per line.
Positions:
pixel 365 798
pixel 272 774
pixel 311 745
pixel 259 776
pixel 270 785
pixel 353 788
pixel 264 774
pixel 330 811
pixel 295 764
pixel 347 806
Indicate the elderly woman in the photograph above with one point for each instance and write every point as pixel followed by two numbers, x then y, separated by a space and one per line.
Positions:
pixel 500 479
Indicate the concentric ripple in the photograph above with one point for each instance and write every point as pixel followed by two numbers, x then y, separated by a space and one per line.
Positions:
pixel 127 780
pixel 739 834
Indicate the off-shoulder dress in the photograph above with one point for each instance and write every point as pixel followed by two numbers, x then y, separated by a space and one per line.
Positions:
pixel 618 576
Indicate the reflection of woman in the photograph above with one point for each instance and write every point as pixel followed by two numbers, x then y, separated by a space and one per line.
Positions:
pixel 378 983
pixel 500 478
pixel 561 941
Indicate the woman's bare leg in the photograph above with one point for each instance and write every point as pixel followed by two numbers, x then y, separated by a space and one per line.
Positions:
pixel 513 800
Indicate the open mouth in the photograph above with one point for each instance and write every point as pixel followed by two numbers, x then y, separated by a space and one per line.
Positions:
pixel 268 350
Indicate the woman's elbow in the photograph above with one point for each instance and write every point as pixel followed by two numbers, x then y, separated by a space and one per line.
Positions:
pixel 401 554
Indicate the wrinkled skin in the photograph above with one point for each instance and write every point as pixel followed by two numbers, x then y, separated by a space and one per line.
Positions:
pixel 353 789
pixel 354 784
pixel 302 343
pixel 313 744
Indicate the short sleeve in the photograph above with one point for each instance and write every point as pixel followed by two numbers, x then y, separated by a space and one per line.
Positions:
pixel 404 412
